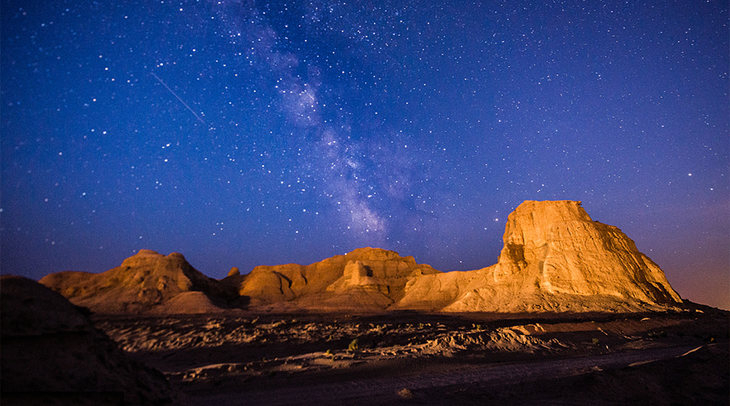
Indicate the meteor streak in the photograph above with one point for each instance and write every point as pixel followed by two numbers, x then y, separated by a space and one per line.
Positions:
pixel 178 97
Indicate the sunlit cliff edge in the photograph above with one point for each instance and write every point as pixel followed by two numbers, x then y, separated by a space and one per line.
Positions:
pixel 555 259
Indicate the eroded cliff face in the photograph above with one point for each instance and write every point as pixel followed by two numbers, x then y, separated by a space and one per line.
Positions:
pixel 366 279
pixel 555 258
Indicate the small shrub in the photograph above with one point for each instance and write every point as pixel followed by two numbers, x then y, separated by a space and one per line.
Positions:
pixel 595 341
pixel 405 393
pixel 655 334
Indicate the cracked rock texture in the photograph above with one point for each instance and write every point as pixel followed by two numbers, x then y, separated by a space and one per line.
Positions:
pixel 366 279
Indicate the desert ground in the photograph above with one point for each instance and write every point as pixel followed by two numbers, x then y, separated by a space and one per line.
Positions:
pixel 242 358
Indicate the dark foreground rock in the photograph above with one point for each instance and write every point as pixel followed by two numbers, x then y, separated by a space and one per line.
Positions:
pixel 53 355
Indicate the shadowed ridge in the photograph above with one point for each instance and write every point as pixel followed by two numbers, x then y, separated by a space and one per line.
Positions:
pixel 52 354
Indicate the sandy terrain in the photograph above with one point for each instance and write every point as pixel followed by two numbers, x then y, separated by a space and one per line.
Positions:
pixel 238 358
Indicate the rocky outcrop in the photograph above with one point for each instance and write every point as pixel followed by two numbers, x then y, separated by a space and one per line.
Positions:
pixel 555 258
pixel 142 283
pixel 365 279
pixel 52 354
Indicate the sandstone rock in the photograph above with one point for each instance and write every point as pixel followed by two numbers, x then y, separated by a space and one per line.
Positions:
pixel 365 279
pixel 234 271
pixel 356 275
pixel 190 303
pixel 555 258
pixel 52 354
pixel 143 282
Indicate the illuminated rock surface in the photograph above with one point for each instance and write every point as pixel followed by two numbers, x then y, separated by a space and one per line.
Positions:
pixel 142 283
pixel 555 258
pixel 365 279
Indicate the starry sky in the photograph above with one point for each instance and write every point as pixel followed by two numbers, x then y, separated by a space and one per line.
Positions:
pixel 243 133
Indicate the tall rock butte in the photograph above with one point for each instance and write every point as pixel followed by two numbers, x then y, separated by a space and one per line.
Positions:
pixel 555 258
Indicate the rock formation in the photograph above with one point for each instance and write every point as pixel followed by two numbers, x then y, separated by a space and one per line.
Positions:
pixel 143 283
pixel 555 258
pixel 365 279
pixel 52 354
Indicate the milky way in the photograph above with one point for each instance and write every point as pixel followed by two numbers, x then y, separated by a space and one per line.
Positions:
pixel 322 126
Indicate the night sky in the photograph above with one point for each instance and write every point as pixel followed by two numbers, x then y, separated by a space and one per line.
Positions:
pixel 244 133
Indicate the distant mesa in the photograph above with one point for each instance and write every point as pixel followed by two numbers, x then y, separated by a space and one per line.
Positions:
pixel 555 259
